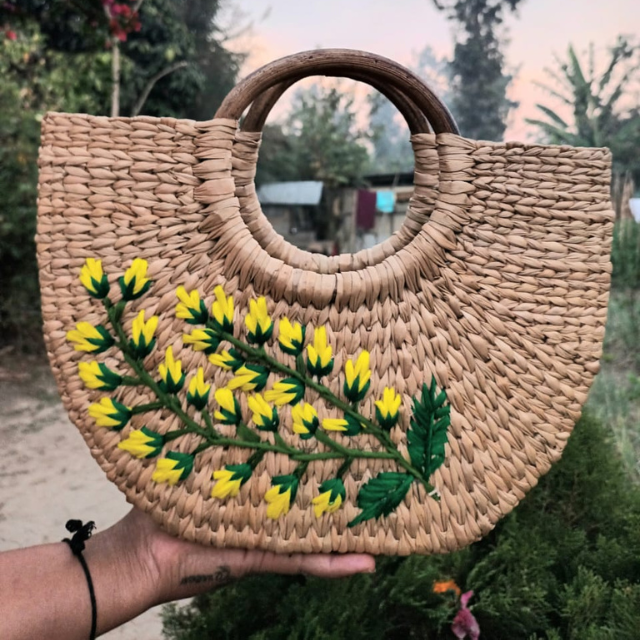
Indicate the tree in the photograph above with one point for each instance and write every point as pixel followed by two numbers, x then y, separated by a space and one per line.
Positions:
pixel 603 114
pixel 326 140
pixel 168 56
pixel 392 150
pixel 479 83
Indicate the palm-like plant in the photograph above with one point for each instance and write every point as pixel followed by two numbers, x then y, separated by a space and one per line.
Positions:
pixel 600 117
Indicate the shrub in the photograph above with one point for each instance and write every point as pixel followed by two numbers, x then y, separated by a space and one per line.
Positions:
pixel 564 564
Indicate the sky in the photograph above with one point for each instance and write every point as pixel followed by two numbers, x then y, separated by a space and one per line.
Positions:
pixel 399 29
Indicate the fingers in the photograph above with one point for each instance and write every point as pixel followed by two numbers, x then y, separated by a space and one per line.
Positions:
pixel 320 565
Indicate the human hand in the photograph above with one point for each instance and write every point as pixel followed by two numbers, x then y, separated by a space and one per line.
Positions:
pixel 174 568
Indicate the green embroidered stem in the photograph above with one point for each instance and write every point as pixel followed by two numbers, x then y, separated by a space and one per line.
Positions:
pixel 151 406
pixel 324 392
pixel 300 366
pixel 212 438
pixel 129 381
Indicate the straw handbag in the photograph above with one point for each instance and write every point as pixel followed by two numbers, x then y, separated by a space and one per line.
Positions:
pixel 247 393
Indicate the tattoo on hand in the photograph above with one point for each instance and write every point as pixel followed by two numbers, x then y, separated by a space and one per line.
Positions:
pixel 221 577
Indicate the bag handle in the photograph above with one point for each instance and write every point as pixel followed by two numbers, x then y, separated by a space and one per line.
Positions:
pixel 261 107
pixel 343 62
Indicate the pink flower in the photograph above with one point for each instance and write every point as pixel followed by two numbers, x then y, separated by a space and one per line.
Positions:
pixel 11 35
pixel 464 624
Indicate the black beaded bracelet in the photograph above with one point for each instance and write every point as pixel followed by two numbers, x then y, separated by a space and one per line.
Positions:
pixel 81 533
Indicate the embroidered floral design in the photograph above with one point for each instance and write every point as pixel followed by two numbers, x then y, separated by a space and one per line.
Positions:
pixel 143 443
pixel 142 339
pixel 229 407
pixel 265 417
pixel 251 363
pixel 111 414
pixel 228 360
pixel 229 480
pixel 90 338
pixel 97 375
pixel 291 338
pixel 259 324
pixel 287 391
pixel 191 308
pixel 281 495
pixel 198 392
pixel 388 409
pixel 332 495
pixel 171 376
pixel 93 279
pixel 319 355
pixel 134 283
pixel 222 310
pixel 249 377
pixel 305 420
pixel 175 467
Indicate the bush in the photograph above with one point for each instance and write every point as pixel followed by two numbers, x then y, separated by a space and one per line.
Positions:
pixel 625 255
pixel 565 564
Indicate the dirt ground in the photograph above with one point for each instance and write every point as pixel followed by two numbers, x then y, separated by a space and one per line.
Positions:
pixel 47 476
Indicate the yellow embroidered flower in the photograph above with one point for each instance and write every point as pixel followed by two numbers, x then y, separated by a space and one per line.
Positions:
pixel 287 391
pixel 175 467
pixel 259 324
pixel 319 360
pixel 97 375
pixel 222 311
pixel 170 372
pixel 281 495
pixel 198 391
pixel 348 425
pixel 109 413
pixel 90 338
pixel 357 378
pixel 291 337
pixel 305 420
pixel 387 409
pixel 230 360
pixel 93 279
pixel 229 480
pixel 332 495
pixel 142 443
pixel 264 416
pixel 134 283
pixel 202 340
pixel 249 377
pixel 229 407
pixel 190 307
pixel 142 339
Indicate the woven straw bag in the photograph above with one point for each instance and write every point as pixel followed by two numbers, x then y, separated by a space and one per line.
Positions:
pixel 247 393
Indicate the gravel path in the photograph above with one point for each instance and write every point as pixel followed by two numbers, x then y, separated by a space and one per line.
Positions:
pixel 48 476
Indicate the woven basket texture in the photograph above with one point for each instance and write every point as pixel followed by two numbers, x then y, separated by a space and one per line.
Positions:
pixel 497 285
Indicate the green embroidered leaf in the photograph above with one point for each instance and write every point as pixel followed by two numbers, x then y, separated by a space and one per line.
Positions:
pixel 246 434
pixel 381 495
pixel 428 433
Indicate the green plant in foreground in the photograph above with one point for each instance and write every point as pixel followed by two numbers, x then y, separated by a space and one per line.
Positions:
pixel 564 565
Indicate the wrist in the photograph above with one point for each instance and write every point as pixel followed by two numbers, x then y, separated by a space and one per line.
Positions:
pixel 124 574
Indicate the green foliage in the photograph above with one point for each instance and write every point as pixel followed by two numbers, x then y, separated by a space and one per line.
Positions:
pixel 324 138
pixel 602 115
pixel 479 82
pixel 565 564
pixel 625 255
pixel 427 436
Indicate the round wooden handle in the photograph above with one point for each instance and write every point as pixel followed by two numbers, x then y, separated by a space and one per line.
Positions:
pixel 341 62
pixel 262 106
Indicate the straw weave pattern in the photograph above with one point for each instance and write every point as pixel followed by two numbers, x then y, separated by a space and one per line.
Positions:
pixel 497 285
